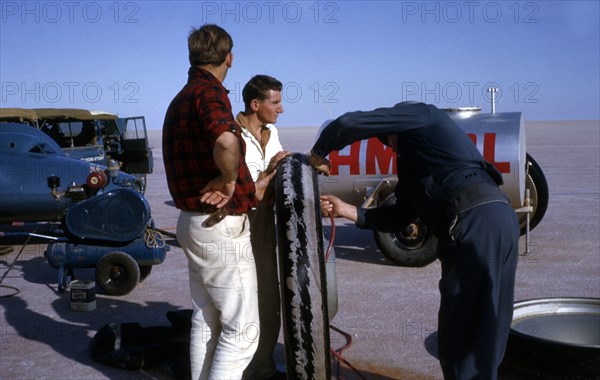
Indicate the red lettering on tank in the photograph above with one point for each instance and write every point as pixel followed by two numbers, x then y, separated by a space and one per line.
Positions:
pixel 352 160
pixel 382 154
pixel 489 153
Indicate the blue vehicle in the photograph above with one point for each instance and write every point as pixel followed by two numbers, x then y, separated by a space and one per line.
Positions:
pixel 92 215
pixel 93 136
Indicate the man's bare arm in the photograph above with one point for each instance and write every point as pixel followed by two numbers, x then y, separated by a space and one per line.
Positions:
pixel 226 155
pixel 334 206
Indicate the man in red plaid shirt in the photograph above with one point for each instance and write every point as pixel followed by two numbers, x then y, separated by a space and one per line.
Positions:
pixel 210 183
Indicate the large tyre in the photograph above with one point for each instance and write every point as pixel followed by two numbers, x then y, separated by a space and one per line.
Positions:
pixel 538 187
pixel 117 273
pixel 415 246
pixel 302 270
pixel 554 338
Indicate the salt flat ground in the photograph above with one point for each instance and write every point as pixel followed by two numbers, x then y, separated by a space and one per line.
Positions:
pixel 389 311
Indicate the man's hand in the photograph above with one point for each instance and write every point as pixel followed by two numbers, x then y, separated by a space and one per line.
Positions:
pixel 263 190
pixel 321 164
pixel 334 206
pixel 275 160
pixel 226 154
pixel 262 183
pixel 217 192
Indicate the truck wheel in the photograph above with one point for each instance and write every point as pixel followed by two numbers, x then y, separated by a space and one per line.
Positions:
pixel 538 187
pixel 117 273
pixel 302 270
pixel 414 247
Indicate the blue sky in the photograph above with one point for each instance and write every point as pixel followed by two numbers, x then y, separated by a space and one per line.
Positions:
pixel 130 57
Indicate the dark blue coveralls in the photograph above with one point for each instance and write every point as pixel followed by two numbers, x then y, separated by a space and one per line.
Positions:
pixel 444 180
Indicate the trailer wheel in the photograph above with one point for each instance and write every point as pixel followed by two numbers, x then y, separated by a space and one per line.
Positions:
pixel 302 270
pixel 538 187
pixel 415 246
pixel 117 273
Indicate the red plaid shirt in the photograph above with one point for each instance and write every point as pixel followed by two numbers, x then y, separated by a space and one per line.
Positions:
pixel 196 117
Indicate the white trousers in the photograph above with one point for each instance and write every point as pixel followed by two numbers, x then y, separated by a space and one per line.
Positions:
pixel 223 286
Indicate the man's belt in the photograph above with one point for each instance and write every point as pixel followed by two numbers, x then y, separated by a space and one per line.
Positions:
pixel 462 191
pixel 214 218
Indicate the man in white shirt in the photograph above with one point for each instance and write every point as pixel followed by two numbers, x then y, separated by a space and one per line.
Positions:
pixel 262 106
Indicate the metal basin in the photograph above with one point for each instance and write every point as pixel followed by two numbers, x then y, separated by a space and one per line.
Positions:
pixel 556 338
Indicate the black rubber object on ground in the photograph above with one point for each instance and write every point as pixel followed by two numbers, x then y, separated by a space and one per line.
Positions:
pixel 555 338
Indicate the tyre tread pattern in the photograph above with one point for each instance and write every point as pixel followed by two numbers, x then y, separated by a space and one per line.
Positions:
pixel 302 270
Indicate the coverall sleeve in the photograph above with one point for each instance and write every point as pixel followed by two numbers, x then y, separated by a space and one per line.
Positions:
pixel 386 218
pixel 360 125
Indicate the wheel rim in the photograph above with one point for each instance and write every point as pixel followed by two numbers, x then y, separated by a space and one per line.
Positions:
pixel 115 275
pixel 412 237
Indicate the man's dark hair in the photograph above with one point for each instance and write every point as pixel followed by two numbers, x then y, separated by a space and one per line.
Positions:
pixel 258 88
pixel 209 45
